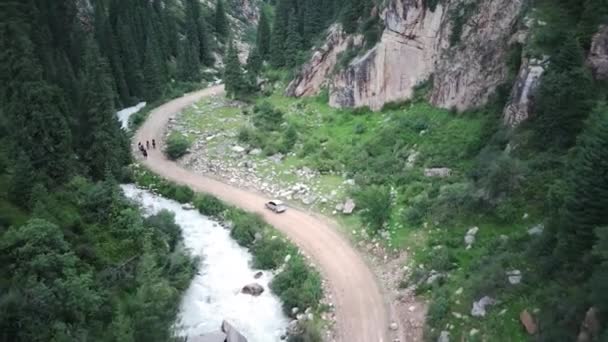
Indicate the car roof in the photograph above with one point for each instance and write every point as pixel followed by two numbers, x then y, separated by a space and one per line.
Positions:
pixel 277 202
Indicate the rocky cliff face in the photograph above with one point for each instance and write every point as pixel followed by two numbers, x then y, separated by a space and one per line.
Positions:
pixel 416 44
pixel 598 55
pixel 316 72
pixel 468 73
pixel 523 94
pixel 404 57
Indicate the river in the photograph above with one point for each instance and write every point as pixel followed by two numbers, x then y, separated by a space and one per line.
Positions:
pixel 214 294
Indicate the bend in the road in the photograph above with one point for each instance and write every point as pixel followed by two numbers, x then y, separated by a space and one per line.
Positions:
pixel 360 308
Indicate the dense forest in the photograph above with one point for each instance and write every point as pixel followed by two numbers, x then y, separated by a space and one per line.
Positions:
pixel 78 261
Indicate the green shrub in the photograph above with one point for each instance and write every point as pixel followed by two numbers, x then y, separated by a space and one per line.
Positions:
pixel 375 204
pixel 177 146
pixel 182 193
pixel 269 253
pixel 439 308
pixel 310 333
pixel 359 128
pixel 164 221
pixel 298 285
pixel 310 147
pixel 209 205
pixel 290 137
pixel 244 227
pixel 246 135
pixel 266 117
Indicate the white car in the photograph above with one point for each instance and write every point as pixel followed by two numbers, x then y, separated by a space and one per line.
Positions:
pixel 276 206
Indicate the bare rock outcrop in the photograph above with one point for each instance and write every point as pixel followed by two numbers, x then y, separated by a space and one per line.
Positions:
pixel 523 94
pixel 598 54
pixel 468 73
pixel 415 45
pixel 314 74
pixel 404 57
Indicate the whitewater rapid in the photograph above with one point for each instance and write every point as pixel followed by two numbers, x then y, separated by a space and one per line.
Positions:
pixel 214 294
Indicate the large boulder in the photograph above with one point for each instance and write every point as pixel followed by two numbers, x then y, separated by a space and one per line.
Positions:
pixel 528 322
pixel 253 289
pixel 232 335
pixel 591 327
pixel 480 307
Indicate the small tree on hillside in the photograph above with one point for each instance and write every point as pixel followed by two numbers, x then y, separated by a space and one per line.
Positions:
pixel 233 72
pixel 263 36
pixel 221 21
pixel 375 204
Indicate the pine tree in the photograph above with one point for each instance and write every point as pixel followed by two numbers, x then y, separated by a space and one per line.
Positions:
pixel 130 58
pixel 565 97
pixel 313 19
pixel 279 33
pixel 101 143
pixel 35 111
pixel 152 80
pixel 221 21
pixel 196 32
pixel 254 62
pixel 187 62
pixel 585 205
pixel 23 179
pixel 263 36
pixel 293 45
pixel 233 73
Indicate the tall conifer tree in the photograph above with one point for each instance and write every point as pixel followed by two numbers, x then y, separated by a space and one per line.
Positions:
pixel 263 36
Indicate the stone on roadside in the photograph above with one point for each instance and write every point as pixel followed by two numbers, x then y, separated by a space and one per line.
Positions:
pixel 255 152
pixel 238 149
pixel 258 275
pixel 393 326
pixel 349 206
pixel 188 206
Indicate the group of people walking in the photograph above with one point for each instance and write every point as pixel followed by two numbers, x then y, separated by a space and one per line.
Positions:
pixel 144 149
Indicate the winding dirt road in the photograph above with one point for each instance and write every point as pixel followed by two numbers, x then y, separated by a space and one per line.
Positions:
pixel 361 312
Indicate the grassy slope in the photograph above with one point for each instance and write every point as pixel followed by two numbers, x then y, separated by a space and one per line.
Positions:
pixel 443 140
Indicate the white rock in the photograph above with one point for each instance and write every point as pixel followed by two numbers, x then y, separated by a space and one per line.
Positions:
pixel 440 172
pixel 536 230
pixel 514 277
pixel 444 337
pixel 393 326
pixel 349 206
pixel 238 149
pixel 469 238
pixel 479 307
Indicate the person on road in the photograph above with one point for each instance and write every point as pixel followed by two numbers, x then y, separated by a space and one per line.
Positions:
pixel 145 153
pixel 153 143
pixel 147 144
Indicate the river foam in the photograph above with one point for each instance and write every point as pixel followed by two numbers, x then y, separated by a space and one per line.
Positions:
pixel 214 294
